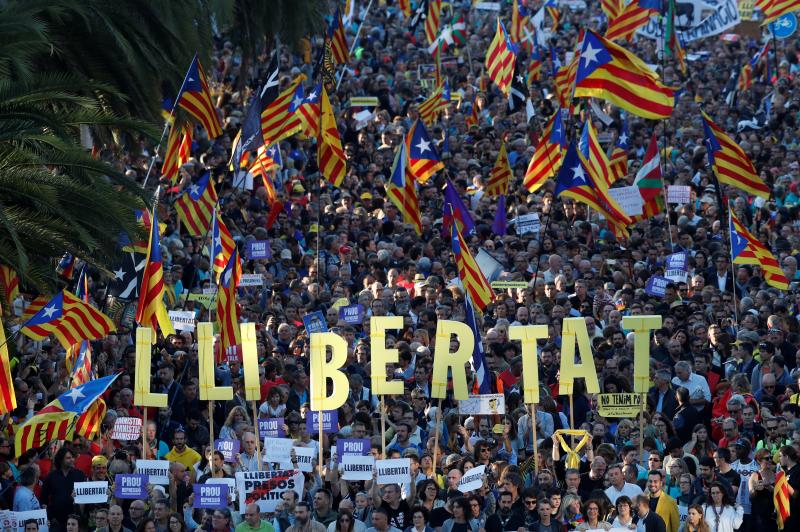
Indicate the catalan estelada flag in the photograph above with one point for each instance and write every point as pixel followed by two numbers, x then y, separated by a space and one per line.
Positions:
pixel 195 98
pixel 151 311
pixel 619 155
pixel 179 149
pixel 8 397
pixel 594 155
pixel 500 176
pixel 263 164
pixel 69 319
pixel 747 249
pixel 9 284
pixel 773 9
pixel 79 363
pixel 423 159
pixel 405 7
pixel 501 59
pixel 277 122
pixel 402 191
pixel 310 110
pixel 66 266
pixel 565 75
pixel 338 39
pixel 454 210
pixel 547 157
pixel 227 319
pixel 629 18
pixel 474 116
pixel 88 423
pixel 608 71
pixel 475 284
pixel 610 8
pixel 195 206
pixel 746 75
pixel 780 496
pixel 433 20
pixel 330 155
pixel 520 16
pixel 437 102
pixel 535 64
pixel 731 164
pixel 222 244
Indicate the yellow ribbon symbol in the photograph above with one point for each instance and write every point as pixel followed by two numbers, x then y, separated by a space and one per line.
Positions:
pixel 572 460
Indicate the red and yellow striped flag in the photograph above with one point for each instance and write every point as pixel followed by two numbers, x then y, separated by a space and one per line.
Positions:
pixel 338 39
pixel 69 319
pixel 41 429
pixel 501 58
pixel 227 319
pixel 8 397
pixel 9 284
pixel 196 205
pixel 747 249
pixel 195 98
pixel 472 278
pixel 179 149
pixel 546 159
pixel 629 19
pixel 151 311
pixel 88 423
pixel 773 9
pixel 780 497
pixel 277 122
pixel 433 20
pixel 330 155
pixel 430 109
pixel 500 176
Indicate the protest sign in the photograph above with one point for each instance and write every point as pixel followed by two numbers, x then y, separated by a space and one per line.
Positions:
pixel 228 448
pixel 258 249
pixel 277 449
pixel 679 194
pixel 363 101
pixel 251 279
pixel 271 428
pixel 266 488
pixel 182 320
pixel 528 223
pixel 305 458
pixel 352 314
pixel 204 299
pixel 472 479
pixel 488 6
pixel 91 492
pixel 156 471
pixel 39 515
pixel 357 467
pixel 629 199
pixel 210 496
pixel 657 286
pixel 8 520
pixel 229 482
pixel 697 19
pixel 677 267
pixel 127 429
pixel 352 446
pixel 315 322
pixel 490 266
pixel 330 421
pixel 130 486
pixel 619 404
pixel 395 471
pixel 494 403
pixel 504 285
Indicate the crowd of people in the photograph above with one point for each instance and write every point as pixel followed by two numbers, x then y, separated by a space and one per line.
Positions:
pixel 722 415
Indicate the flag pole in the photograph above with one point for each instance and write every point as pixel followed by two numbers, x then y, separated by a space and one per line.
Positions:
pixel 383 426
pixel 211 432
pixel 355 41
pixel 535 440
pixel 733 274
pixel 663 163
pixel 158 147
pixel 258 436
pixel 436 437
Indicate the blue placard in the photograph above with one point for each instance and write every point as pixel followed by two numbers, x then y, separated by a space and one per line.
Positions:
pixel 271 428
pixel 330 421
pixel 784 26
pixel 657 286
pixel 352 314
pixel 210 496
pixel 258 249
pixel 677 261
pixel 352 446
pixel 228 448
pixel 315 322
pixel 130 486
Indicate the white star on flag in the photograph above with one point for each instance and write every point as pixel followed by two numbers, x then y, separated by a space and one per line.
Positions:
pixel 423 145
pixel 623 139
pixel 590 54
pixel 194 190
pixel 49 311
pixel 119 274
pixel 578 174
pixel 75 394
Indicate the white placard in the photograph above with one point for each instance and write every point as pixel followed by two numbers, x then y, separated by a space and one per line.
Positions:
pixel 488 6
pixel 305 458
pixel 91 492
pixel 182 320
pixel 472 479
pixel 8 520
pixel 679 194
pixel 39 515
pixel 230 482
pixel 396 471
pixel 278 449
pixel 157 471
pixel 127 429
pixel 528 223
pixel 266 488
pixel 251 279
pixel 208 290
pixel 629 199
pixel 356 467
pixel 493 403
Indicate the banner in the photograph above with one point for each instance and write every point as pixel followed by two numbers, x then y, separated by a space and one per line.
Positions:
pixel 472 479
pixel 39 515
pixel 210 496
pixel 528 223
pixel 266 488
pixel 182 320
pixel 619 404
pixel 697 19
pixel 352 447
pixel 330 421
pixel 278 450
pixel 271 428
pixel 258 249
pixel 494 403
pixel 352 314
pixel 395 471
pixel 676 267
pixel 228 448
pixel 91 492
pixel 357 467
pixel 156 471
pixel 127 429
pixel 130 487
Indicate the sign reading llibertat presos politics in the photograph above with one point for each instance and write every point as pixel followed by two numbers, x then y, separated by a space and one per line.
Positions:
pixel 697 19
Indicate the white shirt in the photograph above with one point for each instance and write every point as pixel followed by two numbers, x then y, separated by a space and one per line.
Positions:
pixel 629 490
pixel 730 518
pixel 694 382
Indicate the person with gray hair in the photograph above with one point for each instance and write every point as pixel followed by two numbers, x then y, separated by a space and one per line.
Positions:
pixel 690 380
pixel 661 397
